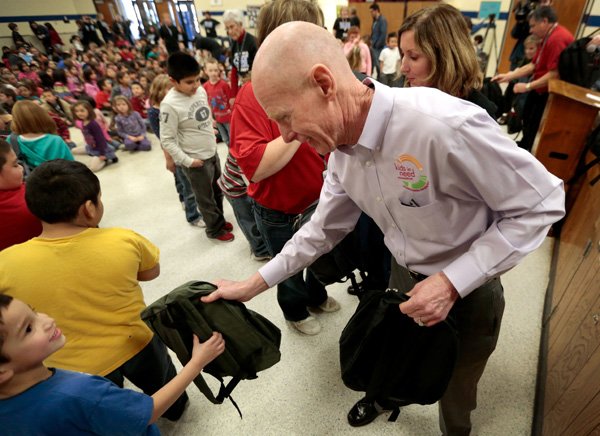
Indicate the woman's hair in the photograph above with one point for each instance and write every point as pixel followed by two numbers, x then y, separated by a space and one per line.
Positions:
pixel 278 12
pixel 354 58
pixel 29 117
pixel 87 106
pixel 159 88
pixel 235 15
pixel 441 34
pixel 119 98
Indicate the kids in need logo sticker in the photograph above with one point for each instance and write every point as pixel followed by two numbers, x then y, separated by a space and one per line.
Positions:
pixel 411 172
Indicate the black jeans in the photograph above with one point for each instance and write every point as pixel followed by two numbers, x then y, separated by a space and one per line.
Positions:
pixel 532 117
pixel 293 294
pixel 150 370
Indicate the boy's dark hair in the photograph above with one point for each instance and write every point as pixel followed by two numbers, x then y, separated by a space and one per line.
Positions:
pixel 102 81
pixel 392 35
pixel 120 75
pixel 8 91
pixel 181 65
pixel 59 75
pixel 4 150
pixel 4 302
pixel 89 99
pixel 57 189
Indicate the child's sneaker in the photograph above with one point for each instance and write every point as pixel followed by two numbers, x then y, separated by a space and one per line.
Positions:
pixel 228 227
pixel 225 237
pixel 198 223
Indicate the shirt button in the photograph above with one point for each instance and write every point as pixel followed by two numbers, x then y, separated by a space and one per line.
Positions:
pixel 394 226
pixel 369 163
pixel 378 198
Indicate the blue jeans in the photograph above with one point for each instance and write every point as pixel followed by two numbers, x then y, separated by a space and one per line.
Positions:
pixel 186 196
pixel 293 294
pixel 244 215
pixel 223 129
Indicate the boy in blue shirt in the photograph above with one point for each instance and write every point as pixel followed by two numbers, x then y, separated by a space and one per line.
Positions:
pixel 39 400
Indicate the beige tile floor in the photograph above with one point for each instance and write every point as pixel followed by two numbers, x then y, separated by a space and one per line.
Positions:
pixel 304 394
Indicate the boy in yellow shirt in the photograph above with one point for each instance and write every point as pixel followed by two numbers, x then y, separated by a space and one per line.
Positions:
pixel 88 279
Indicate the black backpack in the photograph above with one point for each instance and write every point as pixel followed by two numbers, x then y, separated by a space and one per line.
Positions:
pixel 493 92
pixel 578 66
pixel 387 355
pixel 251 341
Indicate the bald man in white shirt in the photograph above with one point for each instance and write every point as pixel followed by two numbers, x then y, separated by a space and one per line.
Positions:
pixel 458 202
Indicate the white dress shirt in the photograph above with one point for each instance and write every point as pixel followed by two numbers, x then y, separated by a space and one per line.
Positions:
pixel 450 191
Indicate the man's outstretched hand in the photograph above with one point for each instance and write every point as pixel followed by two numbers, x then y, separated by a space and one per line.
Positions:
pixel 240 291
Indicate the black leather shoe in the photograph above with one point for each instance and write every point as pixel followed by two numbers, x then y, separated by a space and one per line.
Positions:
pixel 364 412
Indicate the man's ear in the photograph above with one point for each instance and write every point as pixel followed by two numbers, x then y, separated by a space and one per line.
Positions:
pixel 321 75
pixel 5 374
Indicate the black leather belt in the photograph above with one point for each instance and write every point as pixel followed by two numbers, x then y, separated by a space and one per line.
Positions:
pixel 418 277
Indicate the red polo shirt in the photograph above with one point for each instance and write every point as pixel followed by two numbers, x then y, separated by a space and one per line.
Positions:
pixel 546 58
pixel 17 223
pixel 297 184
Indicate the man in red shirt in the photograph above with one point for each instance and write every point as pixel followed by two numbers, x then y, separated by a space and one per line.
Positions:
pixel 543 23
pixel 17 223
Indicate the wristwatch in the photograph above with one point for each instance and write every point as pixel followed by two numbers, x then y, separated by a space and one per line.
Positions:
pixel 528 86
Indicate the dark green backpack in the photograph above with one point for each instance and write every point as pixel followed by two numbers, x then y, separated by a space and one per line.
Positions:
pixel 251 341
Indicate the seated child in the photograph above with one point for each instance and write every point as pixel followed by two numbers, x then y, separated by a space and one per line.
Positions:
pixel 35 399
pixel 103 96
pixel 186 132
pixel 138 100
pixel 17 224
pixel 52 102
pixel 130 125
pixel 88 278
pixel 36 134
pixel 95 142
pixel 122 87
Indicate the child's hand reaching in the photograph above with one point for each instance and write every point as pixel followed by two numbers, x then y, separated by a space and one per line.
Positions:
pixel 205 352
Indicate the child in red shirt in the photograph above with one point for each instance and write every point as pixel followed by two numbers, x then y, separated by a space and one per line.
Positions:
pixel 138 101
pixel 219 93
pixel 17 224
pixel 103 96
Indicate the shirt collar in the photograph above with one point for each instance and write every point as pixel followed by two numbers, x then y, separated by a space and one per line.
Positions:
pixel 378 117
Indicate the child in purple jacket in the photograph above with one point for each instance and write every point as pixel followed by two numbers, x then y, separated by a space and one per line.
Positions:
pixel 130 125
pixel 96 144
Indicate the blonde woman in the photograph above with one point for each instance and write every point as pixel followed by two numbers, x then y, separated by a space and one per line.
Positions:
pixel 35 133
pixel 437 52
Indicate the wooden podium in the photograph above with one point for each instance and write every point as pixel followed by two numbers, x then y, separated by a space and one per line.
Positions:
pixel 567 121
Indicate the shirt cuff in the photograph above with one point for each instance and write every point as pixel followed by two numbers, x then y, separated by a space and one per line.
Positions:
pixel 273 272
pixel 465 275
